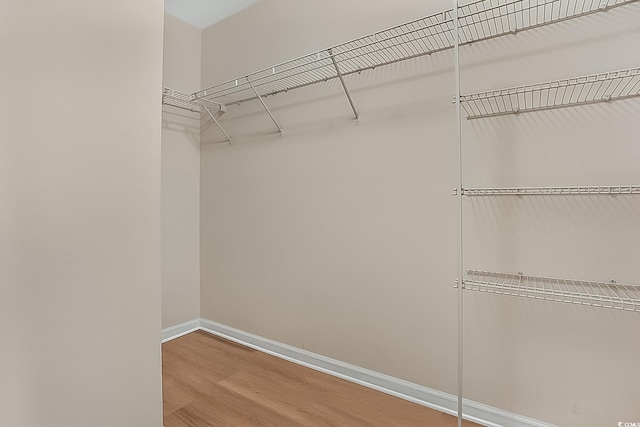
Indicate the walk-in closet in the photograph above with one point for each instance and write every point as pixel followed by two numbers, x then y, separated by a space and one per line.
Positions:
pixel 320 213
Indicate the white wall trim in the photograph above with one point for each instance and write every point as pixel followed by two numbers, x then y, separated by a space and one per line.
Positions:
pixel 444 402
pixel 177 331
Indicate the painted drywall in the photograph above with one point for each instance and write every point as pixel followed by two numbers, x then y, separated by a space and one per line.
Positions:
pixel 180 179
pixel 336 238
pixel 80 213
pixel 342 239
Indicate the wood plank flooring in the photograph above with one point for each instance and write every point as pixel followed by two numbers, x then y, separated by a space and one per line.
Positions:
pixel 209 381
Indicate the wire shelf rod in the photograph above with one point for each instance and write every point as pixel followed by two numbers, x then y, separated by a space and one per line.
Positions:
pixel 554 191
pixel 610 295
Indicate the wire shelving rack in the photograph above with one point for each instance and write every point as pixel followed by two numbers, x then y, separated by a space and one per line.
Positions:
pixel 610 295
pixel 493 19
pixel 182 100
pixel 187 101
pixel 478 21
pixel 592 89
pixel 554 191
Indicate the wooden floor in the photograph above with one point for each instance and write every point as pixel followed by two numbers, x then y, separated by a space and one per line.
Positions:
pixel 208 381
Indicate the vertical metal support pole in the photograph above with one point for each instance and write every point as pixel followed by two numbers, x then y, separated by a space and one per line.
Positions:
pixel 215 121
pixel 460 211
pixel 344 86
pixel 264 105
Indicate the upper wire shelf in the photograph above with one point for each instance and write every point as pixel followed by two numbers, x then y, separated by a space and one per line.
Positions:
pixel 592 89
pixel 187 101
pixel 416 38
pixel 595 294
pixel 480 20
pixel 553 191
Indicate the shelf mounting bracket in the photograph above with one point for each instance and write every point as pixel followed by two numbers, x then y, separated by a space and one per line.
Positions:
pixel 344 86
pixel 265 106
pixel 215 120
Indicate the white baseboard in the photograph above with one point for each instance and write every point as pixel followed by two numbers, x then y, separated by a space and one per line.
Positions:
pixel 444 402
pixel 176 331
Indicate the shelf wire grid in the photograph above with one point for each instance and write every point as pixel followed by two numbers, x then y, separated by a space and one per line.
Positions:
pixel 413 39
pixel 592 89
pixel 554 191
pixel 610 295
pixel 480 20
pixel 186 101
pixel 487 19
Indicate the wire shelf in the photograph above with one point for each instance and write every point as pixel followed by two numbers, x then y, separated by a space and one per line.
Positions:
pixel 480 20
pixel 592 89
pixel 595 294
pixel 554 191
pixel 186 101
pixel 487 19
pixel 413 39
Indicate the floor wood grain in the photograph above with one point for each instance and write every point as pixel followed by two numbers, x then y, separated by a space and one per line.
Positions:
pixel 209 381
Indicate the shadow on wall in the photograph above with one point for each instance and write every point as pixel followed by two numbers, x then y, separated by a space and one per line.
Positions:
pixel 177 120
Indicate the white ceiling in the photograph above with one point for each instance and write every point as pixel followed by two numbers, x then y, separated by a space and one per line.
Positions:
pixel 203 13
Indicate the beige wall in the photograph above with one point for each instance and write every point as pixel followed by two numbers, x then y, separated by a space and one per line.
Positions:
pixel 180 179
pixel 79 213
pixel 342 239
pixel 337 238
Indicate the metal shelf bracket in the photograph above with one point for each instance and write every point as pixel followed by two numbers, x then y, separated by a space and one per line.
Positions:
pixel 344 86
pixel 265 106
pixel 611 190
